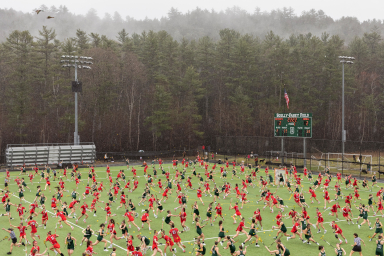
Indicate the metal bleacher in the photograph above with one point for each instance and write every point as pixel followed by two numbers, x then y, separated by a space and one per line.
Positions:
pixel 49 154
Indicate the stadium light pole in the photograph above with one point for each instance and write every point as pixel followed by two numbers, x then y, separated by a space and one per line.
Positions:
pixel 343 60
pixel 78 62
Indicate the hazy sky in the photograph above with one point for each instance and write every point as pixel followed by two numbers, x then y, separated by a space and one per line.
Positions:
pixel 139 9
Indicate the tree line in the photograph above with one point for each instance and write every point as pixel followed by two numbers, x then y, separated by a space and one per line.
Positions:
pixel 149 91
pixel 191 25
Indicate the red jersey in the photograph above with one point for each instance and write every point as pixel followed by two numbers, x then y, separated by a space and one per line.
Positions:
pixel 335 207
pixel 144 217
pixel 33 207
pixel 33 225
pixel 22 230
pixel 111 228
pixel 72 204
pixel 183 216
pixel 83 208
pixel 53 202
pixel 45 215
pixel 218 210
pixel 292 214
pixel 346 211
pixel 35 248
pixel 52 239
pixel 175 233
pixel 61 215
pixel 240 227
pixel 21 210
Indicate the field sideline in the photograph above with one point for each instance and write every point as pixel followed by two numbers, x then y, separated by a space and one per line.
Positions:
pixel 295 246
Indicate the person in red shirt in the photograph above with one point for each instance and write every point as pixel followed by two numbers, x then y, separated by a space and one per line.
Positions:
pixel 20 210
pixel 54 203
pixel 33 224
pixel 237 212
pixel 83 208
pixel 334 210
pixel 130 247
pixel 22 229
pixel 348 199
pixel 320 221
pixel 48 184
pixel 110 180
pixel 35 251
pixel 326 198
pixel 168 242
pixel 134 172
pixel 108 211
pixel 4 198
pixel 137 252
pixel 32 211
pixel 44 217
pixel 122 201
pixel 165 195
pixel 151 200
pixel 357 196
pixel 155 243
pixel 183 219
pixel 296 197
pixel 31 177
pixel 62 219
pixel 241 228
pixel 87 190
pixel 189 185
pixel 207 189
pixel 135 184
pixel 145 219
pixel 313 195
pixel 293 215
pixel 199 195
pixel 294 230
pixel 257 217
pixel 346 210
pixel 112 231
pixel 174 232
pixel 338 231
pixel 219 212
pixel 131 219
pixel 379 207
pixel 160 184
pixel 89 250
pixel 72 206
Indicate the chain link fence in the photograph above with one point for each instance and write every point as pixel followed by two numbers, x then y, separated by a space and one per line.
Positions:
pixel 363 158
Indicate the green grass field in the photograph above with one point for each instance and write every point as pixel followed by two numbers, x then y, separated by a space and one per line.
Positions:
pixel 295 246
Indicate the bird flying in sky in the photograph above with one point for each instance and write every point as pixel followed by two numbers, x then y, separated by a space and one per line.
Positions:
pixel 50 17
pixel 38 11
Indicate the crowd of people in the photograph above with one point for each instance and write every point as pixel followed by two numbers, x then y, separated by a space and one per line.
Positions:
pixel 178 180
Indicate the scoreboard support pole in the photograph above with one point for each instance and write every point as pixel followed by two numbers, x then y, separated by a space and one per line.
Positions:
pixel 282 151
pixel 305 152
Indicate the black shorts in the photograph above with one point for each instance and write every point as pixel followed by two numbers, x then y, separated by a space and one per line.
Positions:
pixel 5 184
pixel 356 248
pixel 14 240
pixel 144 221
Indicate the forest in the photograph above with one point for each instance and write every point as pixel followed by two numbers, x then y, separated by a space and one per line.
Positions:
pixel 160 90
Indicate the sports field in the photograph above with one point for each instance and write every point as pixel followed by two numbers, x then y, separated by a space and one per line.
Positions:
pixel 295 246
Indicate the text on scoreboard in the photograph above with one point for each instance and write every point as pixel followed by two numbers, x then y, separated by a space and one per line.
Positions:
pixel 293 125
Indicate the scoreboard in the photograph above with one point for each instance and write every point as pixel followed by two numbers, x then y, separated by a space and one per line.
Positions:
pixel 293 125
